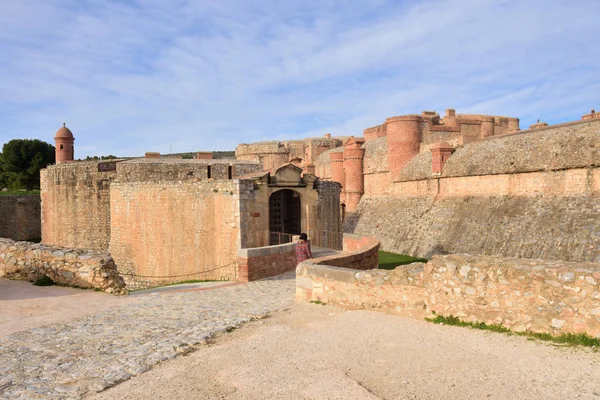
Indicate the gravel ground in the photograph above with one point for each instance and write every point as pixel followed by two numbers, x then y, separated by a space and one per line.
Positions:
pixel 24 306
pixel 84 355
pixel 322 352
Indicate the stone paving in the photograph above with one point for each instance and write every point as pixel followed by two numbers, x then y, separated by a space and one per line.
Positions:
pixel 93 353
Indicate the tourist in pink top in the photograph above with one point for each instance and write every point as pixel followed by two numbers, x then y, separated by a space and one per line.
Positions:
pixel 303 252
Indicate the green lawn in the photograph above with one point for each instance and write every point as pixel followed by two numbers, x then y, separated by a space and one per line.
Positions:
pixel 389 260
pixel 19 192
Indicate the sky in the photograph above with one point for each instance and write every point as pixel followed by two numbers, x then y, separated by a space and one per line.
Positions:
pixel 130 76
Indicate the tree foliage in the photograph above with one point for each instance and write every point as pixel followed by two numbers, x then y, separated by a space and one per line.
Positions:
pixel 21 161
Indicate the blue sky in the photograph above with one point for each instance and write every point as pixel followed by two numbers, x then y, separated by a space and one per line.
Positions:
pixel 129 76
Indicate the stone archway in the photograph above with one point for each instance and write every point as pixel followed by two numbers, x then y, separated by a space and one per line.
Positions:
pixel 284 216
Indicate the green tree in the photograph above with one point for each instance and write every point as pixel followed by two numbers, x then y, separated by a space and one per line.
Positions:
pixel 21 161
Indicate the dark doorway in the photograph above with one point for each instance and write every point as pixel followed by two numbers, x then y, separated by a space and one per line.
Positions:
pixel 284 216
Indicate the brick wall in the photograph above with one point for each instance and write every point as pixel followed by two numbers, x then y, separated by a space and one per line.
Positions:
pixel 521 294
pixel 81 268
pixel 20 217
pixel 263 262
pixel 166 232
pixel 76 204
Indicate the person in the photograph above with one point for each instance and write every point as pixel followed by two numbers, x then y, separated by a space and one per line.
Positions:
pixel 303 251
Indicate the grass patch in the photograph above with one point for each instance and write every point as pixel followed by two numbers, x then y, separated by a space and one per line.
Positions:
pixel 44 281
pixel 318 302
pixel 389 260
pixel 569 339
pixel 20 193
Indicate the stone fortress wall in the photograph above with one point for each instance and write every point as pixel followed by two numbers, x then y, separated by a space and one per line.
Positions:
pixel 76 196
pixel 168 219
pixel 273 154
pixel 534 194
pixel 472 183
pixel 76 204
pixel 20 217
pixel 166 231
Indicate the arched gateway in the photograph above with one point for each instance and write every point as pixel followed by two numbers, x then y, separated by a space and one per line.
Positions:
pixel 285 216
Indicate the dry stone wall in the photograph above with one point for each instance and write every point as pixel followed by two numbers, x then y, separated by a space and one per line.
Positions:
pixel 521 294
pixel 85 269
pixel 20 217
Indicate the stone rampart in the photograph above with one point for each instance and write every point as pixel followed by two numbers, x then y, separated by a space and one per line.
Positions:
pixel 164 232
pixel 85 269
pixel 20 217
pixel 76 204
pixel 549 214
pixel 521 294
pixel 263 262
pixel 160 170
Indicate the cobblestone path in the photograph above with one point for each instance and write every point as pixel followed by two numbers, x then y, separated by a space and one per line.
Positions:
pixel 92 353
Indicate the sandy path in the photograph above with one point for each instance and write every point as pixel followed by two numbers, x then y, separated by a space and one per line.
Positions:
pixel 321 352
pixel 24 306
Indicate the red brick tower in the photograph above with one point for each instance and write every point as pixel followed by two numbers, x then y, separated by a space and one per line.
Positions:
pixel 404 141
pixel 353 170
pixel 337 171
pixel 487 126
pixel 65 148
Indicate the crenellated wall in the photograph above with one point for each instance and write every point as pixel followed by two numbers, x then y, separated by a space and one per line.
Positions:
pixel 20 217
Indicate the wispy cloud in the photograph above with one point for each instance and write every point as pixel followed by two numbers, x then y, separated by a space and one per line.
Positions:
pixel 144 75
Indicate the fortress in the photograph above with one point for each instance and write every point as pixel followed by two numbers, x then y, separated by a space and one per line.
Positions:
pixel 418 184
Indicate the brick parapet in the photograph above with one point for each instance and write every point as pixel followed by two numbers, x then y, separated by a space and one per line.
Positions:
pixel 263 262
pixel 81 268
pixel 521 294
pixel 359 252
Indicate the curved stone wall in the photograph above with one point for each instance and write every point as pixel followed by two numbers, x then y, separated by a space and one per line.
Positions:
pixel 521 294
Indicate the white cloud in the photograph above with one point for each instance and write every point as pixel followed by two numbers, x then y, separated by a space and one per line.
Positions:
pixel 130 77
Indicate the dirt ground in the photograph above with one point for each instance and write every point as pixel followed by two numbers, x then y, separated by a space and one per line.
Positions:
pixel 25 306
pixel 322 352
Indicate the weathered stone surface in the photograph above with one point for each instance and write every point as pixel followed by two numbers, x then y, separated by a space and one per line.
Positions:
pixel 20 217
pixel 86 269
pixel 522 294
pixel 547 227
pixel 91 354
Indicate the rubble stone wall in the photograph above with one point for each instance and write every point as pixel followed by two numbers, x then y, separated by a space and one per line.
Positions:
pixel 20 217
pixel 521 294
pixel 81 268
